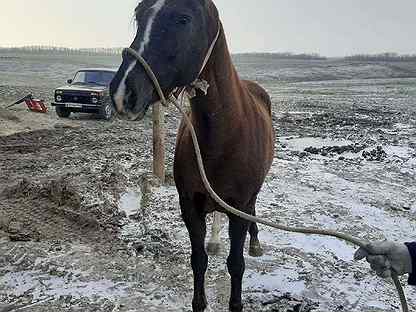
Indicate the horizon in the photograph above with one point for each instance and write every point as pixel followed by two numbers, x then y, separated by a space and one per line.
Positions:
pixel 90 49
pixel 323 27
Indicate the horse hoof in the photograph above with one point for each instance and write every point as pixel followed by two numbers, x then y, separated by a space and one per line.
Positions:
pixel 255 251
pixel 213 249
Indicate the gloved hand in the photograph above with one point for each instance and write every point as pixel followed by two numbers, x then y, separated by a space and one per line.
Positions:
pixel 385 256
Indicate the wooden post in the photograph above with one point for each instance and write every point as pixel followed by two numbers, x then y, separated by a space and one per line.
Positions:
pixel 159 136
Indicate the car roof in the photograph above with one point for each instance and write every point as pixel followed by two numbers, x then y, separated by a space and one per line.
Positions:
pixel 114 70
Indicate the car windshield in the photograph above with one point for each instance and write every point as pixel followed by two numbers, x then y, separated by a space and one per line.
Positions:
pixel 102 78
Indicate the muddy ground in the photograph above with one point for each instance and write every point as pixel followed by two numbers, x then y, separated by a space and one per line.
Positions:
pixel 85 227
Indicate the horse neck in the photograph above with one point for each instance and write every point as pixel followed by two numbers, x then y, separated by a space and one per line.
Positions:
pixel 216 114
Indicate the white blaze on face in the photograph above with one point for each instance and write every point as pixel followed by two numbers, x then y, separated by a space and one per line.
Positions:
pixel 121 90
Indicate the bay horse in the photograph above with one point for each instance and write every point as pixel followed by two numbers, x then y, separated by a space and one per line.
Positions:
pixel 232 121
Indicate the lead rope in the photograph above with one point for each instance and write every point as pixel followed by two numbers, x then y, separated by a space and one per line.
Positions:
pixel 303 230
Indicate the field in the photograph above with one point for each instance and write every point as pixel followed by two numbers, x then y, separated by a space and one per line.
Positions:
pixel 85 227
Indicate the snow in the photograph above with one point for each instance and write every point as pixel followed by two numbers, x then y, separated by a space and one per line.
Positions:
pixel 299 144
pixel 44 285
pixel 271 281
pixel 130 202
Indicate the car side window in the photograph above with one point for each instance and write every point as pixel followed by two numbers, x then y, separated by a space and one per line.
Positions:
pixel 80 77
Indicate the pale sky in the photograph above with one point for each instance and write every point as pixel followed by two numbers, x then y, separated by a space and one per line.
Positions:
pixel 328 27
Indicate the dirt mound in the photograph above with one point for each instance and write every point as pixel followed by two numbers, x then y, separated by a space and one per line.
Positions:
pixel 64 183
pixel 59 191
pixel 29 142
pixel 286 302
pixel 20 119
pixel 376 154
pixel 8 115
pixel 335 150
pixel 51 209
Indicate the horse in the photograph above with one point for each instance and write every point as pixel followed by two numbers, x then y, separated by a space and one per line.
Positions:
pixel 232 120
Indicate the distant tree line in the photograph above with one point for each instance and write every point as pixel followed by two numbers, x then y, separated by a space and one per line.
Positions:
pixel 51 50
pixel 382 57
pixel 286 55
pixel 40 49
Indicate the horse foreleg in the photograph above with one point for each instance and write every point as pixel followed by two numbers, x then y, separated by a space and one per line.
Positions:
pixel 214 244
pixel 196 226
pixel 238 232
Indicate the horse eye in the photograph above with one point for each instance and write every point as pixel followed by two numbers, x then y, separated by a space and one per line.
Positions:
pixel 183 20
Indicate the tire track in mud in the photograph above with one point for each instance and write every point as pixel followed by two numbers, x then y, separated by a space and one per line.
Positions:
pixel 57 179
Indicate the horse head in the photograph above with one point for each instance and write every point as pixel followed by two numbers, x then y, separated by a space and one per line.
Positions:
pixel 174 37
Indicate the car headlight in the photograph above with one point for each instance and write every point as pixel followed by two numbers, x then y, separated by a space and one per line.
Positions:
pixel 59 98
pixel 94 100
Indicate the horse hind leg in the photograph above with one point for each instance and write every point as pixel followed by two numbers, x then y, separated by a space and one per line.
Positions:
pixel 214 244
pixel 196 225
pixel 255 249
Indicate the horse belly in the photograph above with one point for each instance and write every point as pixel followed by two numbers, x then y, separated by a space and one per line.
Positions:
pixel 236 175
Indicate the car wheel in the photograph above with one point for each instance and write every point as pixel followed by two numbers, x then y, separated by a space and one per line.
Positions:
pixel 107 111
pixel 62 112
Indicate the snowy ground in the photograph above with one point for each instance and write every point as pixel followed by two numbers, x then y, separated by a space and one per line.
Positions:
pixel 83 227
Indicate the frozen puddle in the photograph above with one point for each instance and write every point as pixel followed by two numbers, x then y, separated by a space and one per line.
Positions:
pixel 299 144
pixel 130 202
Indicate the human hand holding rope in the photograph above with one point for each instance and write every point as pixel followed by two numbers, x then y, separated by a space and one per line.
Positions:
pixel 386 257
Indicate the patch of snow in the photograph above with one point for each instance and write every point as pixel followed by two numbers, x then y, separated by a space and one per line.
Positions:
pixel 398 151
pixel 165 191
pixel 325 246
pixel 130 201
pixel 353 294
pixel 402 126
pixel 282 280
pixel 299 144
pixel 41 284
pixel 131 231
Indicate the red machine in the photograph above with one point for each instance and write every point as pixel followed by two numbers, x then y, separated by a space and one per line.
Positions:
pixel 34 105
